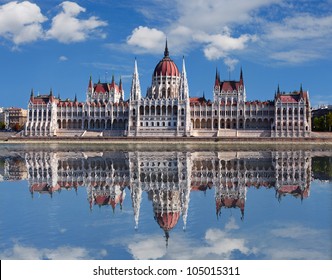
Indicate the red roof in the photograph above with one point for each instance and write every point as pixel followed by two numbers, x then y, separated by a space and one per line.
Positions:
pixel 229 85
pixel 166 67
pixel 293 97
pixel 197 100
pixel 167 221
pixel 43 99
pixel 289 99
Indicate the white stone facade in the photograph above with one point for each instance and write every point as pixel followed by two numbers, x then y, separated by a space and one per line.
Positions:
pixel 167 110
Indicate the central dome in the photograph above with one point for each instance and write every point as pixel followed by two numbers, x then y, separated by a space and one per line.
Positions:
pixel 166 66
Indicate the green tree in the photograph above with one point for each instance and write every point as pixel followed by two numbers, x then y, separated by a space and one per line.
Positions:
pixel 319 123
pixel 2 125
pixel 329 121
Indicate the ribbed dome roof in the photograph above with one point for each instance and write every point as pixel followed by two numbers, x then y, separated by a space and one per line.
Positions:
pixel 166 66
pixel 167 220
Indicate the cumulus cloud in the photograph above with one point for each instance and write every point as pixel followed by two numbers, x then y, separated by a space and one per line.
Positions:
pixel 20 22
pixel 220 45
pixel 281 31
pixel 67 28
pixel 147 39
pixel 211 16
pixel 205 23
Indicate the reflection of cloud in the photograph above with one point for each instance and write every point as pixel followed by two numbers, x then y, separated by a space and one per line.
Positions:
pixel 293 241
pixel 21 252
pixel 273 241
pixel 148 248
pixel 231 224
pixel 216 244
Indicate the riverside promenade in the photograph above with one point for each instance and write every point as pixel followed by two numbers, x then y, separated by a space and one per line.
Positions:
pixel 316 138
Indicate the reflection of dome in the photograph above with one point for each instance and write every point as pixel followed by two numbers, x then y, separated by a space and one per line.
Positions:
pixel 230 203
pixel 166 66
pixel 167 221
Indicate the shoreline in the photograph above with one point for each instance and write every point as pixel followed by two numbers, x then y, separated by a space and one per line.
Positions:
pixel 168 140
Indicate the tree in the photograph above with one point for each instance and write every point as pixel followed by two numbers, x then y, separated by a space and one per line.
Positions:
pixel 329 121
pixel 318 123
pixel 2 125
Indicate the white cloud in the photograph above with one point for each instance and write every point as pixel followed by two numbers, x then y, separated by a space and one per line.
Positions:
pixel 147 39
pixel 300 27
pixel 21 22
pixel 211 16
pixel 282 31
pixel 206 24
pixel 295 56
pixel 67 28
pixel 220 45
pixel 297 38
pixel 63 58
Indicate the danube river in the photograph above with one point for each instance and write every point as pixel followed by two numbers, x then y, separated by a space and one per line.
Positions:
pixel 165 202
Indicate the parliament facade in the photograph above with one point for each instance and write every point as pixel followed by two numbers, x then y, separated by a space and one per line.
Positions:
pixel 167 110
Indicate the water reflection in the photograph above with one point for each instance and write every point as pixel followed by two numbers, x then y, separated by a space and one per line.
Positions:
pixel 167 177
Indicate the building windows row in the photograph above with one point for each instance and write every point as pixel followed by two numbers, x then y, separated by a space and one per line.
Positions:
pixel 158 124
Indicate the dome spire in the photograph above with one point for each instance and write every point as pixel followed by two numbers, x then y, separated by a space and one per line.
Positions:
pixel 166 52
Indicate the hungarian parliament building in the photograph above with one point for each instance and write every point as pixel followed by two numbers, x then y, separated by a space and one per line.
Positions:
pixel 168 178
pixel 167 110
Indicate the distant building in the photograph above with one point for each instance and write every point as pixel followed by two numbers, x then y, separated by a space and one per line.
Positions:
pixel 4 117
pixel 17 117
pixel 167 110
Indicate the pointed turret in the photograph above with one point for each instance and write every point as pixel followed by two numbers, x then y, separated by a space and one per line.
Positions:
pixel 241 77
pixel 51 95
pixel 32 95
pixel 217 79
pixel 166 52
pixel 75 100
pixel 301 89
pixel 278 89
pixel 90 85
pixel 120 84
pixel 135 93
pixel 184 89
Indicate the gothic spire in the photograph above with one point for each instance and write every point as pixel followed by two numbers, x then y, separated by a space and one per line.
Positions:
pixel 217 79
pixel 166 52
pixel 120 84
pixel 135 93
pixel 184 89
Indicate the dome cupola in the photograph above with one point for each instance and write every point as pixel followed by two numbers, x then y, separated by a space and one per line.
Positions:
pixel 166 66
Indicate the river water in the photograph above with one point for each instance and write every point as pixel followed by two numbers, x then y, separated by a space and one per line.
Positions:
pixel 165 202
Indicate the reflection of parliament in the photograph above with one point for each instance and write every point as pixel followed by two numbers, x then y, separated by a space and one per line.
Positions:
pixel 169 178
pixel 167 110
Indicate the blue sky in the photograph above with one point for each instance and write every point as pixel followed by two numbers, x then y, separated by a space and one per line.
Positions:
pixel 55 44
